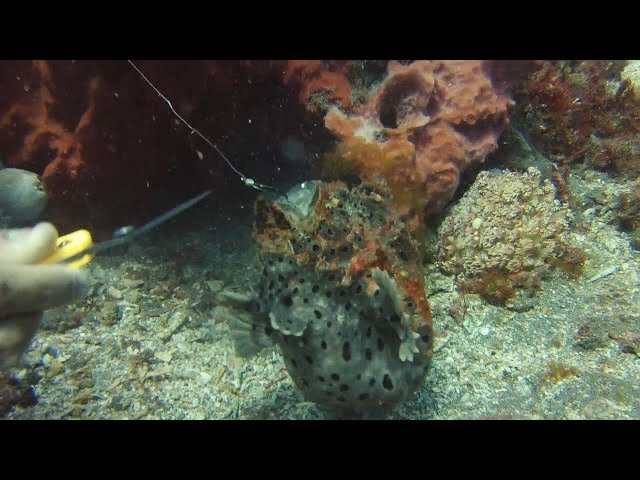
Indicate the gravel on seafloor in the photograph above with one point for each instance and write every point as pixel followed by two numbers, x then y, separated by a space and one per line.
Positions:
pixel 150 341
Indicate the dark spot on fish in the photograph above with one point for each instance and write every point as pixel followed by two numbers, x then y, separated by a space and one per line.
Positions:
pixel 346 351
pixel 386 382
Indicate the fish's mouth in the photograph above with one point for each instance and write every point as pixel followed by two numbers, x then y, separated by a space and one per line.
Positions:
pixel 300 199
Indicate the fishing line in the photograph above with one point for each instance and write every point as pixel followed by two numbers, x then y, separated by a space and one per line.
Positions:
pixel 249 182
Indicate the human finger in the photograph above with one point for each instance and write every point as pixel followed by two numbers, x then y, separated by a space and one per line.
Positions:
pixel 27 245
pixel 29 288
pixel 16 331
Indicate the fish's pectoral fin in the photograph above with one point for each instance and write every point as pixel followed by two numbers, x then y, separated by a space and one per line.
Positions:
pixel 249 331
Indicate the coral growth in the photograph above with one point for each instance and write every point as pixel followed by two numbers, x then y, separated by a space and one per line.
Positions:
pixel 505 234
pixel 319 83
pixel 584 111
pixel 557 372
pixel 426 123
pixel 30 126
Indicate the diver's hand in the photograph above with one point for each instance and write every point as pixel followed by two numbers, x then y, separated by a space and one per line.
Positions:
pixel 26 288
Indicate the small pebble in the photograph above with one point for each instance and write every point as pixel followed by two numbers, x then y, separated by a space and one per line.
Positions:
pixel 114 293
pixel 164 356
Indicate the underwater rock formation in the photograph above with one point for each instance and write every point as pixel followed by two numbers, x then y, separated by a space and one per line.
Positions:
pixel 22 198
pixel 342 296
pixel 426 124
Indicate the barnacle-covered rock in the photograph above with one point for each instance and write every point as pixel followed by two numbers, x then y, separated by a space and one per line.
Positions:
pixel 506 232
